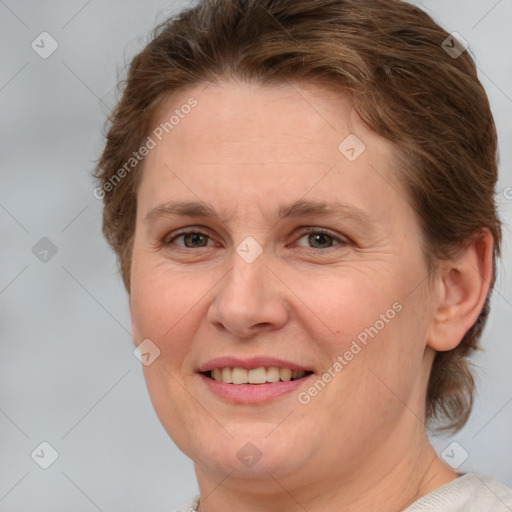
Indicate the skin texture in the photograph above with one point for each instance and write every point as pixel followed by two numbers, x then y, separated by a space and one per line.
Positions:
pixel 360 444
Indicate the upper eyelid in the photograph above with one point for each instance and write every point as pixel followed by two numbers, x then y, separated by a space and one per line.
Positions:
pixel 186 231
pixel 312 229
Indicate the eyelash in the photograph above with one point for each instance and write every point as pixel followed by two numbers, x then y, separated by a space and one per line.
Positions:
pixel 318 231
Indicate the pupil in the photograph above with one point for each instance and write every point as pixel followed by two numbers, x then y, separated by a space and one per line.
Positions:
pixel 195 238
pixel 320 236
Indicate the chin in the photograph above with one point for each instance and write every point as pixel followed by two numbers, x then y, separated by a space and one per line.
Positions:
pixel 251 453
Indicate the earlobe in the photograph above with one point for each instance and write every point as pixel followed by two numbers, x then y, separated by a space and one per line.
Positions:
pixel 463 286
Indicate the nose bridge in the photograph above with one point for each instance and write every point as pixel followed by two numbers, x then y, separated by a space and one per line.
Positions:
pixel 248 270
pixel 249 297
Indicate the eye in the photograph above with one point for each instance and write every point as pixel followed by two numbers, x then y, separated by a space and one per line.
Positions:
pixel 321 239
pixel 191 239
pixel 317 238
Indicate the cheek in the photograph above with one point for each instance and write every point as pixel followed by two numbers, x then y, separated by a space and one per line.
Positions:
pixel 164 306
pixel 344 306
pixel 374 327
pixel 164 309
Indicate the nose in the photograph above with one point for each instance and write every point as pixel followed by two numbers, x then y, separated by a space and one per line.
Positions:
pixel 250 299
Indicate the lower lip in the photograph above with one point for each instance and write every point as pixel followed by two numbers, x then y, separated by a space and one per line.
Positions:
pixel 252 393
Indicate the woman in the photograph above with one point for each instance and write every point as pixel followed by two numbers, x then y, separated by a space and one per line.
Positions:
pixel 301 198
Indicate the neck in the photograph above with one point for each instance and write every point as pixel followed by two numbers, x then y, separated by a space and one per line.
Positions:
pixel 388 481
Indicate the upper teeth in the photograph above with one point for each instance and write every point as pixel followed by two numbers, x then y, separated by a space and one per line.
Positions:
pixel 257 376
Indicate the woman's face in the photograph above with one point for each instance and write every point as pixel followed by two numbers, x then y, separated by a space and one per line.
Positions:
pixel 273 280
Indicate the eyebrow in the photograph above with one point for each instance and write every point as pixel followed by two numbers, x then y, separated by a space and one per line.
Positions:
pixel 300 208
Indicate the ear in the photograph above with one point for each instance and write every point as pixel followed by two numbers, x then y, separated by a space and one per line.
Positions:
pixel 462 286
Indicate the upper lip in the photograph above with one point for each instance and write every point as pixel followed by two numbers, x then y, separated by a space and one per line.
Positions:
pixel 249 363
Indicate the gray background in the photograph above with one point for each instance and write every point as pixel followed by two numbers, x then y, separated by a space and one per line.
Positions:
pixel 68 374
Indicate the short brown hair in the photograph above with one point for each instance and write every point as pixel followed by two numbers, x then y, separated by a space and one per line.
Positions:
pixel 389 56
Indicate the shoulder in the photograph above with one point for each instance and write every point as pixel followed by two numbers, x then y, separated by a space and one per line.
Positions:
pixel 468 493
pixel 190 506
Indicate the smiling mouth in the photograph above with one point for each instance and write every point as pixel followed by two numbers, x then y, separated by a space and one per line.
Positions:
pixel 261 375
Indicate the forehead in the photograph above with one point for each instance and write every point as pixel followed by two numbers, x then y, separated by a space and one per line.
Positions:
pixel 302 118
pixel 243 141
